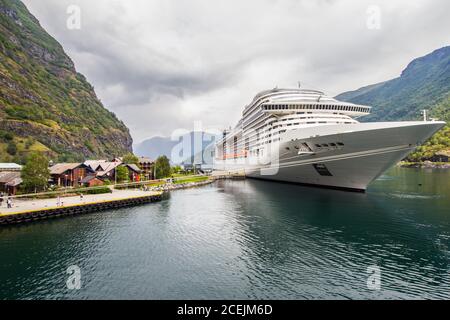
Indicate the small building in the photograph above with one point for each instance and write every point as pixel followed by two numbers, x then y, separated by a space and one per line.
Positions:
pixel 69 174
pixel 91 181
pixel 9 182
pixel 94 164
pixel 134 173
pixel 107 170
pixel 147 166
pixel 441 156
pixel 10 167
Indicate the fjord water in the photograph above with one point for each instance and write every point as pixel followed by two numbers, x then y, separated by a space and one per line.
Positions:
pixel 245 239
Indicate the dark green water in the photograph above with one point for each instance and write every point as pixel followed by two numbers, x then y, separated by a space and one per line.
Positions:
pixel 245 239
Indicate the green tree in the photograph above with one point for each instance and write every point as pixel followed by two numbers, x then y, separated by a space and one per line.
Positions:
pixel 6 136
pixel 29 142
pixel 121 174
pixel 440 142
pixel 130 158
pixel 162 167
pixel 35 173
pixel 176 169
pixel 12 148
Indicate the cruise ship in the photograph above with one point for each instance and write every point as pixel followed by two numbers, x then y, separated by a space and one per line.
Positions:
pixel 306 137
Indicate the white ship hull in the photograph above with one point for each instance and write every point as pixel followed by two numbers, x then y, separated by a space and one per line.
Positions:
pixel 366 150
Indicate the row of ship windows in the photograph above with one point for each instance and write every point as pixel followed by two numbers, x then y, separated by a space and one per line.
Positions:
pixel 324 145
pixel 315 117
pixel 332 144
pixel 295 124
pixel 258 116
pixel 283 125
pixel 304 145
pixel 313 106
pixel 298 123
pixel 309 122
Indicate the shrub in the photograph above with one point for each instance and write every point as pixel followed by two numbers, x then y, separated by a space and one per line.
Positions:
pixel 99 190
pixel 12 148
pixel 6 136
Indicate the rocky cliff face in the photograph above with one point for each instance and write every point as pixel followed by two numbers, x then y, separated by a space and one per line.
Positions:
pixel 45 104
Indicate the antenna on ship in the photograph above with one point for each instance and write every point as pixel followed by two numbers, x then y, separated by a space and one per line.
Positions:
pixel 299 84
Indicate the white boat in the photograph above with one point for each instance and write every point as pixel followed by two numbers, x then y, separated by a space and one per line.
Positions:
pixel 303 136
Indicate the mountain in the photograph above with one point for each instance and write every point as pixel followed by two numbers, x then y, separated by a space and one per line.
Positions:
pixel 155 147
pixel 158 146
pixel 45 104
pixel 422 85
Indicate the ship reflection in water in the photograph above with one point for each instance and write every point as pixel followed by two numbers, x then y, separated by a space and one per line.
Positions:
pixel 245 239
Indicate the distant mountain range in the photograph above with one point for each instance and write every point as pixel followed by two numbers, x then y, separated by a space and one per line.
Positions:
pixel 424 84
pixel 157 146
pixel 45 104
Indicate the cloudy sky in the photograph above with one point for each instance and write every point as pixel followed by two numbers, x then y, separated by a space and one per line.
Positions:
pixel 161 64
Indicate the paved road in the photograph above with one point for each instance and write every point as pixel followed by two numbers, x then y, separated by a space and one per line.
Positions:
pixel 30 205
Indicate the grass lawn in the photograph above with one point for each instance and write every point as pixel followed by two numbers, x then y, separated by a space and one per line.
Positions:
pixel 178 175
pixel 156 184
pixel 190 179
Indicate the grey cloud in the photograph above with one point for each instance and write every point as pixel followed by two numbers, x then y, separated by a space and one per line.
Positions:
pixel 163 64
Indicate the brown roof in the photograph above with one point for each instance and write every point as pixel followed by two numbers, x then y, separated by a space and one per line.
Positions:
pixel 14 182
pixel 60 168
pixel 133 167
pixel 7 177
pixel 87 179
pixel 107 167
pixel 93 164
pixel 145 160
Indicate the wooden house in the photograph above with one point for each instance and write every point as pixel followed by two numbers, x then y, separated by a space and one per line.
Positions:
pixel 69 174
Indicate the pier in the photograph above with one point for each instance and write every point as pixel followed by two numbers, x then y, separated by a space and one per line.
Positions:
pixel 237 175
pixel 32 210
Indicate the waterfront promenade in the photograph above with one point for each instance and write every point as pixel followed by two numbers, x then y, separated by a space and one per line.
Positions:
pixel 27 205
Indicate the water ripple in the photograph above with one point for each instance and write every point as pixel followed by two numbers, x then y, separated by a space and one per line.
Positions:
pixel 241 240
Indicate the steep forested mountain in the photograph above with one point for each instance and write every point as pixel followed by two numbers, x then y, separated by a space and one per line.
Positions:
pixel 45 104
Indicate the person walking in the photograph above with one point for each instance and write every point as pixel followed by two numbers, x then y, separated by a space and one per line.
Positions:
pixel 9 203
